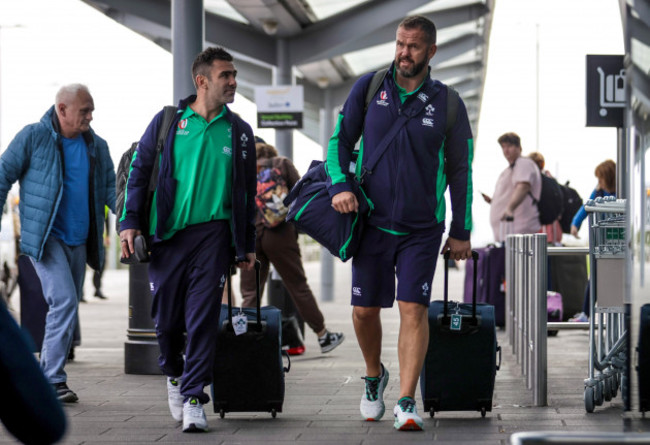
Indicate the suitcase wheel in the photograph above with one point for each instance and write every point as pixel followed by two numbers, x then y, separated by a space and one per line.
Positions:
pixel 222 413
pixel 274 413
pixel 431 412
pixel 483 411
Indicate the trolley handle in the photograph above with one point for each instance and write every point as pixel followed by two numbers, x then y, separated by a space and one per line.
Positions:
pixel 474 286
pixel 258 266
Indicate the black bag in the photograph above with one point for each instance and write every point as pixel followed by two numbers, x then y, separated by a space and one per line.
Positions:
pixel 248 370
pixel 124 168
pixel 572 203
pixel 461 361
pixel 551 200
pixel 311 211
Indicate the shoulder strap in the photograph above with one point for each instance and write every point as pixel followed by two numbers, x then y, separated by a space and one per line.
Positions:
pixel 168 117
pixel 452 111
pixel 452 108
pixel 374 85
pixel 413 109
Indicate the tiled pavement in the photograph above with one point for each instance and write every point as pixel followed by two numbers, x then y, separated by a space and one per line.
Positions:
pixel 322 391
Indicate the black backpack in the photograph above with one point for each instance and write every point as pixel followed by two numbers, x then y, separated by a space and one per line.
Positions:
pixel 572 203
pixel 124 168
pixel 551 201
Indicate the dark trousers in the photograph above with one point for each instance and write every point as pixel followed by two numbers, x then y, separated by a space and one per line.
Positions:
pixel 279 246
pixel 187 274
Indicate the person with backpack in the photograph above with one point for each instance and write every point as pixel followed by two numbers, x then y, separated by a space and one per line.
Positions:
pixel 66 178
pixel 518 187
pixel 553 230
pixel 277 243
pixel 404 132
pixel 202 219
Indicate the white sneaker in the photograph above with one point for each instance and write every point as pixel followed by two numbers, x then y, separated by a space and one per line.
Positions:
pixel 406 415
pixel 372 401
pixel 194 419
pixel 175 398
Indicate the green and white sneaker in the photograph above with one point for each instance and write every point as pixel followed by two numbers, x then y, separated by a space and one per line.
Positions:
pixel 372 401
pixel 406 415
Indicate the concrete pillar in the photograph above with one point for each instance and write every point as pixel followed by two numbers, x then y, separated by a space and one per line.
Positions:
pixel 188 29
pixel 282 75
pixel 326 258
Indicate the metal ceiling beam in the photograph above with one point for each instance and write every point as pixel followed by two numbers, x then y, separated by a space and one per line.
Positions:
pixel 240 38
pixel 346 26
pixel 359 40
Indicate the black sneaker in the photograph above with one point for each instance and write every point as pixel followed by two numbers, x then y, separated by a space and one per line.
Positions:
pixel 330 341
pixel 64 393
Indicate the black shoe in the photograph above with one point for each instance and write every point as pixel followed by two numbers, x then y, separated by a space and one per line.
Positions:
pixel 64 393
pixel 71 354
pixel 330 341
pixel 98 294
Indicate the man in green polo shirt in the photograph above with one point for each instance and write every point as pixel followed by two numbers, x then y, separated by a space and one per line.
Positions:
pixel 203 213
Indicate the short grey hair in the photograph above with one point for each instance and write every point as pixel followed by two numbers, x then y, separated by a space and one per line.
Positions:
pixel 67 92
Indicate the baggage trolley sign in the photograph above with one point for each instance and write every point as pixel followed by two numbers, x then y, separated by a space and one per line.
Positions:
pixel 605 91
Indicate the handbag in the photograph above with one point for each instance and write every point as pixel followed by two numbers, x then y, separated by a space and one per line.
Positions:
pixel 311 212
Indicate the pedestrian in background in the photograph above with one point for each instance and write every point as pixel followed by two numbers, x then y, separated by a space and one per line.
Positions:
pixel 278 245
pixel 514 191
pixel 66 178
pixel 605 172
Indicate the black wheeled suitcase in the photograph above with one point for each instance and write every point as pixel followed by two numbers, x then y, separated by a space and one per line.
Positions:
pixel 643 352
pixel 248 369
pixel 461 361
pixel 293 326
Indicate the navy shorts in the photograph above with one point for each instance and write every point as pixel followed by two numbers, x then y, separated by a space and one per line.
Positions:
pixel 383 256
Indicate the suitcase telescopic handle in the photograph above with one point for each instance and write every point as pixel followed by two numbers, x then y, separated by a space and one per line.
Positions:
pixel 258 266
pixel 474 282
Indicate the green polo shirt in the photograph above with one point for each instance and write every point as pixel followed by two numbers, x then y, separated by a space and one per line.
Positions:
pixel 202 167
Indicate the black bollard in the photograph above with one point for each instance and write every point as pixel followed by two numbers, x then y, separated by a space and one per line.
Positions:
pixel 141 349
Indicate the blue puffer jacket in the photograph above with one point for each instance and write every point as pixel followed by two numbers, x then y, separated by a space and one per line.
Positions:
pixel 34 158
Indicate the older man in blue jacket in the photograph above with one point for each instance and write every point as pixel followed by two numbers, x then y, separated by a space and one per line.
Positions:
pixel 66 178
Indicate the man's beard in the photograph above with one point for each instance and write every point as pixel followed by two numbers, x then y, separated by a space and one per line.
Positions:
pixel 414 71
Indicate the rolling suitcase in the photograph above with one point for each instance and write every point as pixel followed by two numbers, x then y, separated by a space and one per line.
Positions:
pixel 643 354
pixel 461 361
pixel 293 326
pixel 248 369
pixel 491 269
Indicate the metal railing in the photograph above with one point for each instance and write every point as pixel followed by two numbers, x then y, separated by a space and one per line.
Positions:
pixel 526 314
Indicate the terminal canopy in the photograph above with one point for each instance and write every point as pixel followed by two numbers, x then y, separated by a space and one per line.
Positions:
pixel 329 43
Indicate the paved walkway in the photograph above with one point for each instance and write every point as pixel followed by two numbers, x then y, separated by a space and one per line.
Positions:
pixel 322 391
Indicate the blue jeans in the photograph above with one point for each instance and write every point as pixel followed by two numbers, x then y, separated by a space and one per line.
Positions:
pixel 61 271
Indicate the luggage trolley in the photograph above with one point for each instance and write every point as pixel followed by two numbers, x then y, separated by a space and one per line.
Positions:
pixel 607 342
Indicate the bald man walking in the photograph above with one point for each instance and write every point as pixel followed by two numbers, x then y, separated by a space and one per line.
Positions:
pixel 66 178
